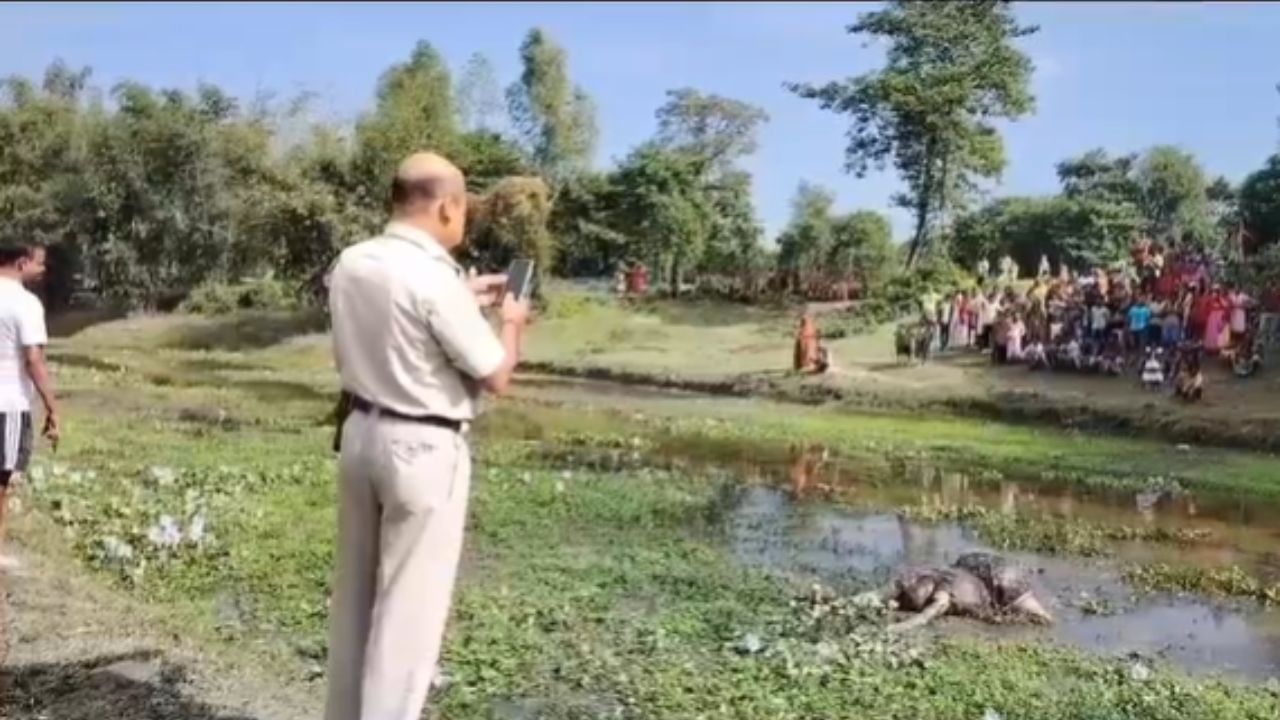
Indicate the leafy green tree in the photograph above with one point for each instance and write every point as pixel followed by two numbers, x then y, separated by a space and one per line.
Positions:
pixel 951 70
pixel 806 242
pixel 486 157
pixel 585 223
pixel 735 236
pixel 42 160
pixel 1027 228
pixel 1259 201
pixel 1224 204
pixel 719 129
pixel 414 110
pixel 662 206
pixel 556 119
pixel 156 208
pixel 480 106
pixel 1106 200
pixel 862 245
pixel 1172 194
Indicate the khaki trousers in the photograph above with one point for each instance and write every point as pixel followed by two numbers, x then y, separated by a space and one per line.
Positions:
pixel 401 513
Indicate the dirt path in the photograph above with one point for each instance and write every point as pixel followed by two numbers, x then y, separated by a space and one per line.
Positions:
pixel 79 651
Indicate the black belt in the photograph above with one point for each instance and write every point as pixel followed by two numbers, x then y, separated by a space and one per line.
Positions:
pixel 362 405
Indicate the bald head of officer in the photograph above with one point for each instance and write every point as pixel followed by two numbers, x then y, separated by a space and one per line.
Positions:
pixel 429 193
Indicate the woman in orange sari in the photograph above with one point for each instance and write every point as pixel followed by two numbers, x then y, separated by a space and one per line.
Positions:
pixel 807 349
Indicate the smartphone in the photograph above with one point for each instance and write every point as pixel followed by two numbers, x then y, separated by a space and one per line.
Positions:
pixel 520 278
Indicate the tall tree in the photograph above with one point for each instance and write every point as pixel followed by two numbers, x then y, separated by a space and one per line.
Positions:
pixel 806 242
pixel 1107 203
pixel 862 245
pixel 1172 194
pixel 663 206
pixel 1097 175
pixel 592 239
pixel 43 135
pixel 735 236
pixel 1260 202
pixel 479 96
pixel 1224 200
pixel 951 69
pixel 1058 227
pixel 414 111
pixel 556 119
pixel 720 129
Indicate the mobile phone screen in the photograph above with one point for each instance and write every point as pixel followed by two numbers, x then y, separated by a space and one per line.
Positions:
pixel 520 278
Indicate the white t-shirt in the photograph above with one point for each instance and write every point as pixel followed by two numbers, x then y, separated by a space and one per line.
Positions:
pixel 1100 316
pixel 1239 312
pixel 21 326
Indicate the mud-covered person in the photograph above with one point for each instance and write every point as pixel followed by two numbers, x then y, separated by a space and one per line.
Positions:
pixel 23 372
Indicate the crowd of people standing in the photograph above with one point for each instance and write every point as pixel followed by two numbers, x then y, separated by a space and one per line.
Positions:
pixel 1157 317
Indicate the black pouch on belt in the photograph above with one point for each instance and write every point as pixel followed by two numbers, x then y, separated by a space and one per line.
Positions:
pixel 340 414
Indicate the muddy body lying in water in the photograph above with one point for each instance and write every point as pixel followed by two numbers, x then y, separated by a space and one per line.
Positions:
pixel 978 585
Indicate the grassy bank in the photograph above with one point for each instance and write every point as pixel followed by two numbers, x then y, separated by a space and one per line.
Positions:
pixel 743 351
pixel 743 429
pixel 584 591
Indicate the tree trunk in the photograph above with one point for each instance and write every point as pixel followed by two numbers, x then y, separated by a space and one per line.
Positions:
pixel 675 276
pixel 922 228
pixel 923 207
pixel 943 188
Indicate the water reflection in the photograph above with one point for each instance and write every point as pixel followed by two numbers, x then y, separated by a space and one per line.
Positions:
pixel 1096 609
pixel 812 471
pixel 805 465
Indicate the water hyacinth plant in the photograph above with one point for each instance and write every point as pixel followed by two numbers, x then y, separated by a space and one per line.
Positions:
pixel 139 523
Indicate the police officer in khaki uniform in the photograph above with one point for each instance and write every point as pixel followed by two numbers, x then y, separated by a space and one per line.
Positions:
pixel 413 352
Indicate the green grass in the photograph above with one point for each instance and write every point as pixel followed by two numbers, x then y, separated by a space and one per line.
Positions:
pixel 662 336
pixel 703 342
pixel 733 428
pixel 1047 535
pixel 581 592
pixel 1228 582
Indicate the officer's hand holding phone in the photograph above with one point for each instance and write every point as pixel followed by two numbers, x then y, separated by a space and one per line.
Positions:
pixel 488 289
pixel 515 303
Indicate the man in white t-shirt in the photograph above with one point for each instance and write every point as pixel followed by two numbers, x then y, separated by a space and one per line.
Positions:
pixel 23 372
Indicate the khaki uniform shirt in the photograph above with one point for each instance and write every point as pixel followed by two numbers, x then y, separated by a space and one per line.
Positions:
pixel 407 331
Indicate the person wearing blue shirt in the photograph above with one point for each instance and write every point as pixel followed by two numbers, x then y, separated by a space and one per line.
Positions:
pixel 1139 319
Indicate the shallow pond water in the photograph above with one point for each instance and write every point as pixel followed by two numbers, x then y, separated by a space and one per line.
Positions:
pixel 805 512
pixel 770 529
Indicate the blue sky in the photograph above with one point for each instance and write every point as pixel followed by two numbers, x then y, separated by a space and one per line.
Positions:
pixel 1122 76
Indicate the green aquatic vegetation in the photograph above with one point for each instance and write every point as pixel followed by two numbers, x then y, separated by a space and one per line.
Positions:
pixel 612 590
pixel 1044 534
pixel 1226 582
pixel 597 580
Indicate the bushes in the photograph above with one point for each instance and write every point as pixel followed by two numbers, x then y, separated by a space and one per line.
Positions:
pixel 900 297
pixel 218 298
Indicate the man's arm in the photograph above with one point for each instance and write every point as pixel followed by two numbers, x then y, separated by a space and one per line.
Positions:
pixel 514 315
pixel 33 336
pixel 39 370
pixel 468 339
